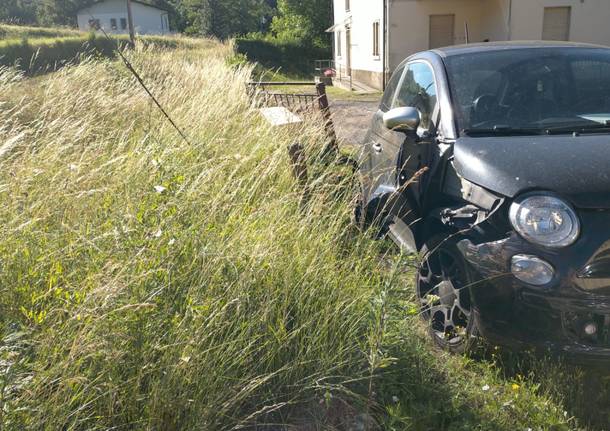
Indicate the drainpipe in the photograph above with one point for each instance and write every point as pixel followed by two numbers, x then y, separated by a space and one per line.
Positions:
pixel 510 19
pixel 333 35
pixel 386 49
pixel 132 37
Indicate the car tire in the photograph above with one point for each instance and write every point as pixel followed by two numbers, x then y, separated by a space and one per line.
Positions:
pixel 442 284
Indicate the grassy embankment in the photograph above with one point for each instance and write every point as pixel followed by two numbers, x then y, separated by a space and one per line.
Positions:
pixel 37 50
pixel 151 283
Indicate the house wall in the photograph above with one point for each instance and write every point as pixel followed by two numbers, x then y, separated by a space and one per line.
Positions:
pixel 589 19
pixel 410 24
pixel 146 19
pixel 366 68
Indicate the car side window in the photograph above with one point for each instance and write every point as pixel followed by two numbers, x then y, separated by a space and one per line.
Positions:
pixel 418 90
pixel 390 91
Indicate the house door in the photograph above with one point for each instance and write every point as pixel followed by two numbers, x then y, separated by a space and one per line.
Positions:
pixel 442 30
pixel 348 49
pixel 556 25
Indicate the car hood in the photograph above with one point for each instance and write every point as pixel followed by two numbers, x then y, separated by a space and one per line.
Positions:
pixel 575 167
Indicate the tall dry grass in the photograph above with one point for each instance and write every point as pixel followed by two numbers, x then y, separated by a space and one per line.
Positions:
pixel 153 283
pixel 147 282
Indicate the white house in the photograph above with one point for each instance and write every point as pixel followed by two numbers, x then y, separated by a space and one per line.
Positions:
pixel 111 15
pixel 372 37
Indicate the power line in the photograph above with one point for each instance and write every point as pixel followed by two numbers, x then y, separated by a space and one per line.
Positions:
pixel 143 84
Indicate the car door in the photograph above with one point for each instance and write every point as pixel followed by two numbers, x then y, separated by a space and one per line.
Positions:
pixel 375 163
pixel 400 156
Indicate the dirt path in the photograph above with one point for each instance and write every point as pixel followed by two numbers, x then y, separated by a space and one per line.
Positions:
pixel 352 118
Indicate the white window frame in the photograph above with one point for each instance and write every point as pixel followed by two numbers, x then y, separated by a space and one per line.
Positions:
pixel 339 44
pixel 376 40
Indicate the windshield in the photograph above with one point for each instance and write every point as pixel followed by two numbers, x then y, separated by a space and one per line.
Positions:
pixel 529 91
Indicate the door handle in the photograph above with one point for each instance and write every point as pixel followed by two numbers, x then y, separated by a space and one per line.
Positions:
pixel 377 147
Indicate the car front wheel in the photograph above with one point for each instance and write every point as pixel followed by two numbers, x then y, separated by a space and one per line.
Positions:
pixel 444 295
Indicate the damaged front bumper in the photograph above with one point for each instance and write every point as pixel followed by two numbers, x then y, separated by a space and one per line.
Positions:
pixel 569 315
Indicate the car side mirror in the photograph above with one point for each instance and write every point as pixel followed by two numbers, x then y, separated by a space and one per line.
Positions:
pixel 404 119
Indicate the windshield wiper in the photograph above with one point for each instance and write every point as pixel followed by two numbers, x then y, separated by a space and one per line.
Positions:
pixel 504 130
pixel 588 128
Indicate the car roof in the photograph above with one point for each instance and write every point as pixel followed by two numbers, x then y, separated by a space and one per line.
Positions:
pixel 499 46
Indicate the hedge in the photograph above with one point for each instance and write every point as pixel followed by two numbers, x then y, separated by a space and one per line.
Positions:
pixel 292 57
pixel 8 31
pixel 42 55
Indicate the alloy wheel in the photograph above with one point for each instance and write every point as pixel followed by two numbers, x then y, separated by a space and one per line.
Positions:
pixel 442 288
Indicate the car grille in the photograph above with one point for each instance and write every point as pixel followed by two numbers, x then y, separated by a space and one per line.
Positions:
pixel 575 324
pixel 595 276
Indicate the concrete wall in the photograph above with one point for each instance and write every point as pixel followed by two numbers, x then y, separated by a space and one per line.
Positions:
pixel 366 68
pixel 589 19
pixel 146 19
pixel 410 24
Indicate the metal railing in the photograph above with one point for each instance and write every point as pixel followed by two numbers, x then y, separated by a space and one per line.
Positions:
pixel 339 71
pixel 266 94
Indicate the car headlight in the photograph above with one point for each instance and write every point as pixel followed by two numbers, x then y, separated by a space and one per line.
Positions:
pixel 545 220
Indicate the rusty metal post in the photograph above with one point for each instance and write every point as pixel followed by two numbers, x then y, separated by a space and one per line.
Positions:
pixel 132 36
pixel 332 145
pixel 296 152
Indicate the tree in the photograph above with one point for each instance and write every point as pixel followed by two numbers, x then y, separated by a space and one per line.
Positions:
pixel 303 20
pixel 18 11
pixel 62 12
pixel 223 18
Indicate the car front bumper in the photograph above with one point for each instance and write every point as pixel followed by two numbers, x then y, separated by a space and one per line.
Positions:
pixel 551 317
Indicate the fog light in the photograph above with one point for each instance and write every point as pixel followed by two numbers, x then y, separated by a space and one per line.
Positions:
pixel 591 329
pixel 532 270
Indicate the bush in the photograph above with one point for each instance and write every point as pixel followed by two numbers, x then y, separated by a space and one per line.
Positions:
pixel 8 31
pixel 46 54
pixel 292 56
pixel 39 55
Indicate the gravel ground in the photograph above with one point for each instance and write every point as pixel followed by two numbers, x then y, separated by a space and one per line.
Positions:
pixel 352 119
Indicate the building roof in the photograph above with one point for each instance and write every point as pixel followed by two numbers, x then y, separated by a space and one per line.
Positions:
pixel 133 1
pixel 499 46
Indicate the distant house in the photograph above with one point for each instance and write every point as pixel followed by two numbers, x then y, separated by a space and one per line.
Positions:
pixel 372 37
pixel 111 15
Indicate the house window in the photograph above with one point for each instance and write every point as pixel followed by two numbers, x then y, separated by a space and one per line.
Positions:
pixel 556 25
pixel 442 30
pixel 94 24
pixel 338 43
pixel 113 23
pixel 347 6
pixel 376 39
pixel 123 23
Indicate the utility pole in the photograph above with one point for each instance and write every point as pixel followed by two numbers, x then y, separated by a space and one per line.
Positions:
pixel 132 35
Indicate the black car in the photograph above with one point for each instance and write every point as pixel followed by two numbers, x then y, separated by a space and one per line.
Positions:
pixel 493 161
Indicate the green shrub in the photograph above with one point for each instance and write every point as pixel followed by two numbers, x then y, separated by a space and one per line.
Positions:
pixel 45 54
pixel 292 56
pixel 8 31
pixel 39 55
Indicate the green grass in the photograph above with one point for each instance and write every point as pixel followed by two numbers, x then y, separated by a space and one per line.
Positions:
pixel 42 50
pixel 8 31
pixel 152 283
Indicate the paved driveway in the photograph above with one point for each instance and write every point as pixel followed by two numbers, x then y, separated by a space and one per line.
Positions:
pixel 352 118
